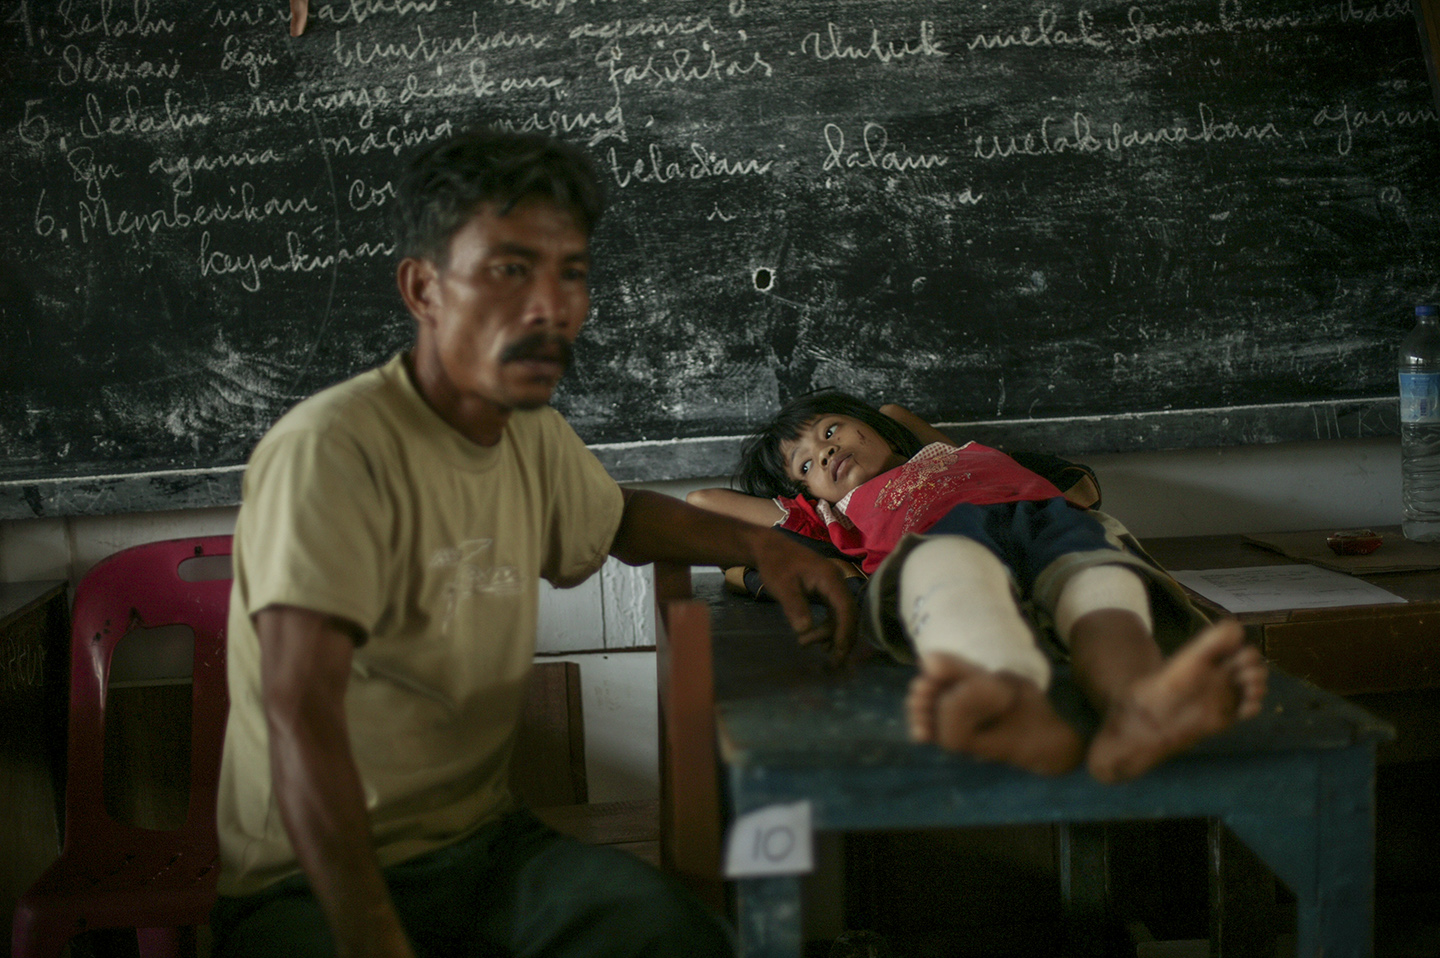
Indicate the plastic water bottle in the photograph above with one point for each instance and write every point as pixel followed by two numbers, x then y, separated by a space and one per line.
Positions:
pixel 1420 428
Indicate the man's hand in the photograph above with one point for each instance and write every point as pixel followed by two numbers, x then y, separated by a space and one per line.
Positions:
pixel 660 528
pixel 793 573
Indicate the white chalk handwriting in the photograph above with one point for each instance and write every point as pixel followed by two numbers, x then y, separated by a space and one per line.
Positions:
pixel 358 11
pixel 352 11
pixel 1080 134
pixel 559 5
pixel 182 169
pixel 1046 33
pixel 479 83
pixel 137 118
pixel 607 125
pixel 875 152
pixel 1231 17
pixel 1349 12
pixel 681 65
pixel 242 207
pixel 394 139
pixel 258 15
pixel 109 19
pixel 44 222
pixel 614 29
pixel 89 171
pixel 366 98
pixel 1351 120
pixel 364 51
pixel 832 45
pixel 295 259
pixel 249 61
pixel 702 164
pixel 363 195
pixel 33 127
pixel 76 65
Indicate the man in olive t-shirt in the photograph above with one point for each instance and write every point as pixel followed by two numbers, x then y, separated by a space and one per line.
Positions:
pixel 382 622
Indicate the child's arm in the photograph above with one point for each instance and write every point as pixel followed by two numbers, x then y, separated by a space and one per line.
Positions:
pixel 737 505
pixel 765 512
pixel 923 431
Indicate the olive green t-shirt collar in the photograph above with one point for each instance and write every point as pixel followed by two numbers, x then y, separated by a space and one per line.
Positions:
pixel 449 443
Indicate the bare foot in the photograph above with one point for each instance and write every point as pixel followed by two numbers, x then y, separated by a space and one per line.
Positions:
pixel 995 716
pixel 1214 681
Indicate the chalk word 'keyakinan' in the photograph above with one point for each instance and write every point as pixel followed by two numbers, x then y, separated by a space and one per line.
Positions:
pixel 295 260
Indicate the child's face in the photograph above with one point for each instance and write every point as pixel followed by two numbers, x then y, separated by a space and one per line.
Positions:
pixel 835 454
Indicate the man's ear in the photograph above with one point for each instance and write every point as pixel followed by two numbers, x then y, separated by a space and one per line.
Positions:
pixel 417 278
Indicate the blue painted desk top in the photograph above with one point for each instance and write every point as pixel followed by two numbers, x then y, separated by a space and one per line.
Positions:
pixel 1296 783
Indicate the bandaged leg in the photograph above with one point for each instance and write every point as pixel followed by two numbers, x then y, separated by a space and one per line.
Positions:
pixel 1101 587
pixel 981 685
pixel 1152 707
pixel 956 598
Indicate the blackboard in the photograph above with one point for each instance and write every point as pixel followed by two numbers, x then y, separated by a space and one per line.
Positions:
pixel 1073 226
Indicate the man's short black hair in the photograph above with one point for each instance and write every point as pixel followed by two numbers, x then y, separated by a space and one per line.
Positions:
pixel 443 185
pixel 762 464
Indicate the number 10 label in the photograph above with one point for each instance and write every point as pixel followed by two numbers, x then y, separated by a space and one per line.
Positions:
pixel 774 840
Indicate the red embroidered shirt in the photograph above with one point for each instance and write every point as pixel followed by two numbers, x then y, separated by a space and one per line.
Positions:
pixel 869 522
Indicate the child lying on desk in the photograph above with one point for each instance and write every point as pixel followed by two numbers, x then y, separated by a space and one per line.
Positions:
pixel 994 534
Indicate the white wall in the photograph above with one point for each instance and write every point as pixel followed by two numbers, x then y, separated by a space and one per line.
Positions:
pixel 1318 485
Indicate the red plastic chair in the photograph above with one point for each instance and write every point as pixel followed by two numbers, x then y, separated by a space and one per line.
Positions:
pixel 110 874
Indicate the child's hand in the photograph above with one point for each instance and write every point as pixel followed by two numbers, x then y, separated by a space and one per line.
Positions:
pixel 792 574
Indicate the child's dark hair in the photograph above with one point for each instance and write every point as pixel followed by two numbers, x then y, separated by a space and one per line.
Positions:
pixel 442 185
pixel 762 465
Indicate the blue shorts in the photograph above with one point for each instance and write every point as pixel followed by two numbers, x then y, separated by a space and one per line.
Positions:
pixel 1026 536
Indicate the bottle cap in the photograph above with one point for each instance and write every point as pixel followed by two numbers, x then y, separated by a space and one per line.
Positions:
pixel 1424 310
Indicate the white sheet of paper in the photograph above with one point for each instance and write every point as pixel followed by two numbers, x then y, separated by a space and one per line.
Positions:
pixel 774 840
pixel 1266 588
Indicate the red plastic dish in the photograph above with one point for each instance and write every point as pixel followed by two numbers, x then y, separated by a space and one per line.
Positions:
pixel 1361 542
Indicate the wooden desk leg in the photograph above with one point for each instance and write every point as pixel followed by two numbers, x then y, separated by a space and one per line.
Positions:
pixel 1242 898
pixel 1339 918
pixel 768 917
pixel 1083 854
pixel 1327 856
pixel 689 784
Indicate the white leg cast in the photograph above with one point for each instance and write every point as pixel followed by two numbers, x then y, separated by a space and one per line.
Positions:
pixel 1101 587
pixel 956 597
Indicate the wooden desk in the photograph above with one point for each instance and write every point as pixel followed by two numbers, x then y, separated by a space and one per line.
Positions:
pixel 1295 784
pixel 1385 658
pixel 34 663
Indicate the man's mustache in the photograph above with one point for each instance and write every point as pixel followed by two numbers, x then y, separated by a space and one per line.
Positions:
pixel 545 346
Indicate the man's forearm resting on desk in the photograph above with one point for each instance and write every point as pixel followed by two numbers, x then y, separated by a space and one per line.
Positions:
pixel 305 666
pixel 659 528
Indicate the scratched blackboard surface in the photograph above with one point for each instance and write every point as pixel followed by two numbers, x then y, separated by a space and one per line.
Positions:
pixel 1073 226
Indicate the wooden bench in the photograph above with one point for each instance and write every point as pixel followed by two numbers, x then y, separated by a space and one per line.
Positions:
pixel 548 770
